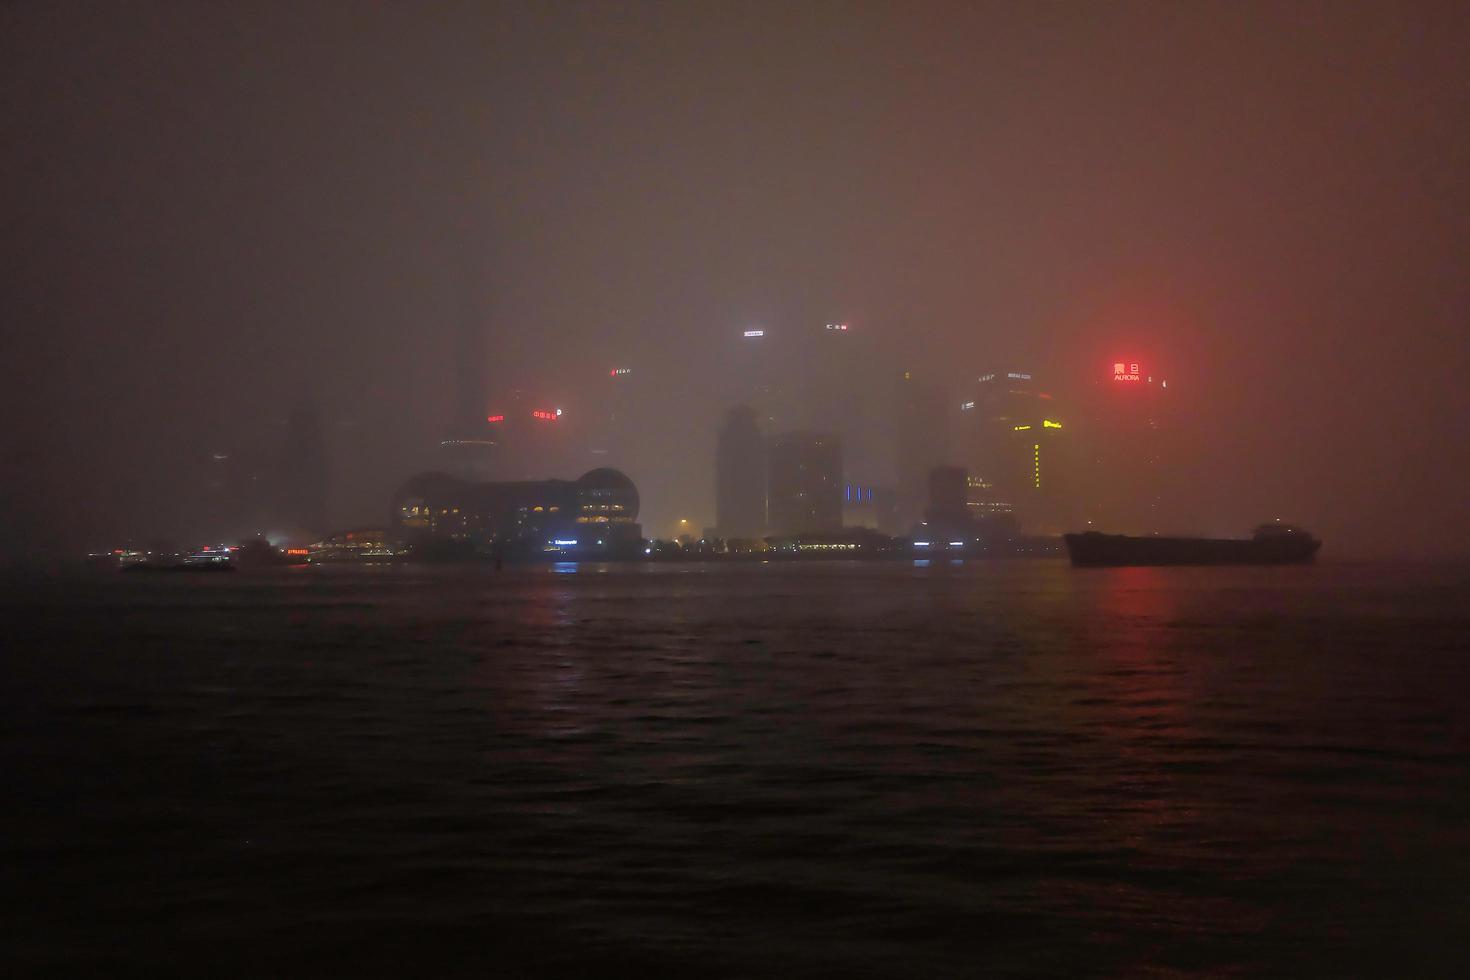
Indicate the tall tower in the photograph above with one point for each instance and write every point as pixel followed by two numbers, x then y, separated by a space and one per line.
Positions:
pixel 472 359
pixel 1017 447
pixel 740 475
pixel 920 442
pixel 843 372
pixel 1129 480
pixel 470 448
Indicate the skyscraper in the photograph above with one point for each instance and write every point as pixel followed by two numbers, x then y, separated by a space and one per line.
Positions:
pixel 529 435
pixel 920 442
pixel 805 483
pixel 470 448
pixel 607 423
pixel 1128 477
pixel 1016 444
pixel 841 368
pixel 740 475
pixel 764 370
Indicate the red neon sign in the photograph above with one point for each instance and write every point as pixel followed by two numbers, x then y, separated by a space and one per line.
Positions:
pixel 495 418
pixel 1127 371
pixel 544 415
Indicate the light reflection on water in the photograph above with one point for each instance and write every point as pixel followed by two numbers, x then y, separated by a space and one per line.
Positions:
pixel 867 768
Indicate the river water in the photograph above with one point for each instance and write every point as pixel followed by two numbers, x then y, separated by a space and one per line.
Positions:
pixel 845 770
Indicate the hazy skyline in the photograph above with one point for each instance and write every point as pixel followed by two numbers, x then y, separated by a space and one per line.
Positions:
pixel 212 210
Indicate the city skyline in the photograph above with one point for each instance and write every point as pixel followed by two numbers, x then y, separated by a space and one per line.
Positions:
pixel 333 225
pixel 693 488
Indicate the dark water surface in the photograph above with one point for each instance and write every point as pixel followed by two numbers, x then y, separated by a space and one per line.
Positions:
pixel 740 771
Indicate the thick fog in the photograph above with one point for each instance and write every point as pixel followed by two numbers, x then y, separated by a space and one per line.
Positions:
pixel 216 214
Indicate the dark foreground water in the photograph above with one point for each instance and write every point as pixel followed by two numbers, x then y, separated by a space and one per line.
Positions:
pixel 753 771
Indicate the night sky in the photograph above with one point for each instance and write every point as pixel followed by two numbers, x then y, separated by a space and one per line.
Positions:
pixel 212 209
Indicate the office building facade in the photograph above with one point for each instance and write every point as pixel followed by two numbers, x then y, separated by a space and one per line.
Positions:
pixel 594 514
pixel 1129 479
pixel 804 483
pixel 1018 449
pixel 920 431
pixel 740 476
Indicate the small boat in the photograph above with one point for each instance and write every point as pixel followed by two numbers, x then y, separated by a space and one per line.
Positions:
pixel 1271 544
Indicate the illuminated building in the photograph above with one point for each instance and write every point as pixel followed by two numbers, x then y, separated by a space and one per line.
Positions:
pixel 609 431
pixel 1128 477
pixel 740 476
pixel 953 522
pixel 1018 446
pixel 981 499
pixel 359 544
pixel 596 514
pixel 947 525
pixel 840 371
pixel 522 435
pixel 852 542
pixel 757 367
pixel 210 556
pixel 804 483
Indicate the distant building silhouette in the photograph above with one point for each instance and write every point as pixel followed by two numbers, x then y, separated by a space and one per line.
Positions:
pixel 1019 447
pixel 921 442
pixel 982 499
pixel 594 514
pixel 1127 477
pixel 471 449
pixel 804 483
pixel 530 436
pixel 869 507
pixel 948 492
pixel 740 475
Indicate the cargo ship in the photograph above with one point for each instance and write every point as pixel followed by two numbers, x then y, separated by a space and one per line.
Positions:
pixel 1271 544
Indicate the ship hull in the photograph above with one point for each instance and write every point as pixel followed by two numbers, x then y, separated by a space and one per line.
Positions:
pixel 1093 549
